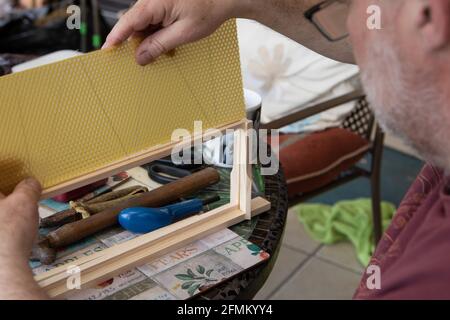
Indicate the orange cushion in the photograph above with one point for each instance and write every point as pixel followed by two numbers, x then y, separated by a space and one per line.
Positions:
pixel 316 160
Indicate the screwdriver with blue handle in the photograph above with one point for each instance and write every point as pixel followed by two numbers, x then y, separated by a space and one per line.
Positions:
pixel 144 220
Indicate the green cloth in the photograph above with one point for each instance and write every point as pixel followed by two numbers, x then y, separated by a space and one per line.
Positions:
pixel 345 221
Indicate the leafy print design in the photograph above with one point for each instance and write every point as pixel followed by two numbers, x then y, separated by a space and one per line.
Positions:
pixel 270 67
pixel 193 281
pixel 256 251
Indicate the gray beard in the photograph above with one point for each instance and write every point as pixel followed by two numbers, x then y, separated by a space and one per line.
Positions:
pixel 410 110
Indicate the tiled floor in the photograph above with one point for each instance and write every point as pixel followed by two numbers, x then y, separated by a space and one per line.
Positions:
pixel 306 269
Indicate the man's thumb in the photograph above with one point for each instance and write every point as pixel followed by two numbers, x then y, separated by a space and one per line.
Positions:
pixel 29 187
pixel 161 42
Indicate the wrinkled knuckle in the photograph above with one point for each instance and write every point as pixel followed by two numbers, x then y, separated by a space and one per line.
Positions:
pixel 127 18
pixel 141 7
pixel 128 22
pixel 146 5
pixel 139 25
pixel 143 3
pixel 156 48
pixel 186 36
pixel 191 32
pixel 137 21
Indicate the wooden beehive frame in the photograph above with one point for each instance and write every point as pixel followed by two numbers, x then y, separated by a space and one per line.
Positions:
pixel 112 261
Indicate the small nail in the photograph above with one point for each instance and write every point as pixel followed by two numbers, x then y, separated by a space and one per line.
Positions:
pixel 143 58
pixel 32 182
pixel 107 47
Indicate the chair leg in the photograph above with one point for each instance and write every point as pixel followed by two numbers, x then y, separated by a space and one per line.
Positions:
pixel 376 209
pixel 375 184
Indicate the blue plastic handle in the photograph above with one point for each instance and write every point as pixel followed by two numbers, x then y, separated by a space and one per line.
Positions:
pixel 144 220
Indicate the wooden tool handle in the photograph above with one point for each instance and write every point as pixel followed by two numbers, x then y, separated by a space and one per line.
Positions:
pixel 75 231
pixel 60 218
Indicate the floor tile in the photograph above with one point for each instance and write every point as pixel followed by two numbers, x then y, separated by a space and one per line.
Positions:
pixel 318 279
pixel 287 262
pixel 295 235
pixel 343 254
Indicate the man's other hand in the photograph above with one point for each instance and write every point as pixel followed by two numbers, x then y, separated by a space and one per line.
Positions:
pixel 18 230
pixel 19 220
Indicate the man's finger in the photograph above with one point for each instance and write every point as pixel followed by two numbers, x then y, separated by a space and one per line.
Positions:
pixel 120 32
pixel 141 35
pixel 161 42
pixel 29 187
pixel 135 19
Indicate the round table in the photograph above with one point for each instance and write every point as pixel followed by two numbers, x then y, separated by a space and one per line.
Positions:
pixel 266 232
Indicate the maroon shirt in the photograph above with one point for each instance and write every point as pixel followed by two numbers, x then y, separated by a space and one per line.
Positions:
pixel 414 253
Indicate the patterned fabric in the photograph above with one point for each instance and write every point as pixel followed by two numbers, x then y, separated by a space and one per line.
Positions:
pixel 413 255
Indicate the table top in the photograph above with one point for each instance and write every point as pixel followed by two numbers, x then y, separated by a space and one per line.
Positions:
pixel 266 231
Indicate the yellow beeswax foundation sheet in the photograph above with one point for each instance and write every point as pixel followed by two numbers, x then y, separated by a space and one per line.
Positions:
pixel 71 118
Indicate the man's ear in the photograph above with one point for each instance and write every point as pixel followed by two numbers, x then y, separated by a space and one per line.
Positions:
pixel 435 24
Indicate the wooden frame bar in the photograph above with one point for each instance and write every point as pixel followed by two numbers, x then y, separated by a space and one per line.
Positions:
pixel 112 261
pixel 133 161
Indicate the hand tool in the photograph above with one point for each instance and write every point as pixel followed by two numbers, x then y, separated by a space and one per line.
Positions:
pixel 113 183
pixel 144 220
pixel 165 171
pixel 82 209
pixel 80 192
pixel 169 193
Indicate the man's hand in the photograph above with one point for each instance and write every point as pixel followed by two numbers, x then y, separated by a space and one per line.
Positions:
pixel 167 24
pixel 18 230
pixel 19 220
